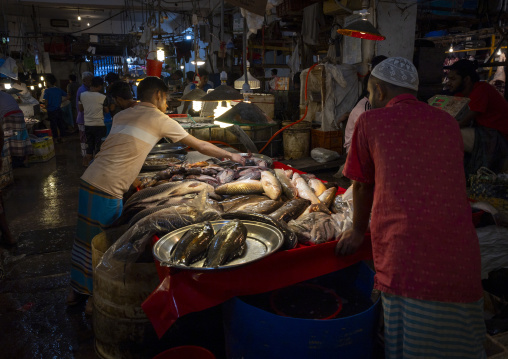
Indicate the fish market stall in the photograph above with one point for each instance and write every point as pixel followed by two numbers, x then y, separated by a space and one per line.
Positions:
pixel 218 230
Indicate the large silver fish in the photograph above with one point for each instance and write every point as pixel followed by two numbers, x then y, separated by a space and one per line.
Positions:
pixel 304 191
pixel 240 187
pixel 264 207
pixel 229 243
pixel 232 202
pixel 271 185
pixel 193 244
pixel 290 210
pixel 327 196
pixel 287 187
pixel 317 186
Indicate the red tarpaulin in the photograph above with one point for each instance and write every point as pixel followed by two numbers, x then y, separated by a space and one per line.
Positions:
pixel 182 292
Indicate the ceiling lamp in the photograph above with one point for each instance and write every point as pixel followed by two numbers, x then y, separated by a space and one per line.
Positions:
pixel 198 61
pixel 362 28
pixel 79 16
pixel 245 114
pixel 196 94
pixel 222 93
pixel 451 48
pixel 253 82
pixel 7 86
pixel 499 52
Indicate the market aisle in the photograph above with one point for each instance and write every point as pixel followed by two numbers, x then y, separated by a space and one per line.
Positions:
pixel 41 208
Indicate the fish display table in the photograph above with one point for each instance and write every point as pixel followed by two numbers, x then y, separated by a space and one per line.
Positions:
pixel 181 292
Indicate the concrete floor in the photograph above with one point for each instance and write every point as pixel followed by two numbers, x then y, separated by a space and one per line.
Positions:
pixel 41 208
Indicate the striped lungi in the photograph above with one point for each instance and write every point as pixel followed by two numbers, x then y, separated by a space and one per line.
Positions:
pixel 19 142
pixel 96 209
pixel 432 330
pixel 82 139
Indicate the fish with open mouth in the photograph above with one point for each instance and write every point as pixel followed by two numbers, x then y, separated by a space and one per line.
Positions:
pixel 193 245
pixel 229 243
pixel 317 186
pixel 240 187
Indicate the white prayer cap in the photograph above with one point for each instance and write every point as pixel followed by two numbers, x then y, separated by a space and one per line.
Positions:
pixel 86 74
pixel 397 71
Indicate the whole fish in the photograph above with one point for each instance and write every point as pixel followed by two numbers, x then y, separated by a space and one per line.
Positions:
pixel 203 178
pixel 296 175
pixel 193 244
pixel 308 176
pixel 225 176
pixel 304 191
pixel 234 201
pixel 287 187
pixel 328 196
pixel 250 174
pixel 271 185
pixel 229 243
pixel 290 239
pixel 264 207
pixel 210 171
pixel 317 186
pixel 290 210
pixel 289 173
pixel 170 202
pixel 240 187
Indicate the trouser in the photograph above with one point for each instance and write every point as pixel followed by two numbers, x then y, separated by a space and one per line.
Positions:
pixel 94 135
pixel 57 122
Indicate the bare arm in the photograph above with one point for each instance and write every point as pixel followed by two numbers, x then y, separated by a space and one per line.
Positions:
pixel 350 240
pixel 209 149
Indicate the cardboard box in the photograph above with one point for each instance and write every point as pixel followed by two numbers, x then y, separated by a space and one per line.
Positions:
pixel 455 106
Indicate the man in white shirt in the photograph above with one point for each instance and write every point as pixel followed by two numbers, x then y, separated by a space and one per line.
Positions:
pixel 93 105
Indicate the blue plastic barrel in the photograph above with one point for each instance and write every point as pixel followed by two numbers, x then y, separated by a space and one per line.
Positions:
pixel 253 333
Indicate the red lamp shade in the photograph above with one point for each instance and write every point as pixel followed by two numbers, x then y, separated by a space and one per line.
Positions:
pixel 362 29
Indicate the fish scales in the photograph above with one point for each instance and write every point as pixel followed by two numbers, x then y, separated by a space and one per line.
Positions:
pixel 228 244
pixel 192 246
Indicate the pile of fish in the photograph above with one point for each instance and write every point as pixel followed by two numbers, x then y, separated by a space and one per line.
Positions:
pixel 303 208
pixel 200 242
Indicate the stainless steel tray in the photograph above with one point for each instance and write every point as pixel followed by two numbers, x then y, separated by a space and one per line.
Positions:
pixel 268 160
pixel 262 240
pixel 146 168
pixel 169 148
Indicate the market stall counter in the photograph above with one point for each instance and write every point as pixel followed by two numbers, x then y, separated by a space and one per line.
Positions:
pixel 185 291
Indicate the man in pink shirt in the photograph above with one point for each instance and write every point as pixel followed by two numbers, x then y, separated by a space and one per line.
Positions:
pixel 406 163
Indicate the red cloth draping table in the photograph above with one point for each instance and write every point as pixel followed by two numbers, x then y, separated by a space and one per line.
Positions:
pixel 182 292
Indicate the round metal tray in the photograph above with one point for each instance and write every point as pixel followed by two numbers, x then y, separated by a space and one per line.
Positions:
pixel 262 240
pixel 169 148
pixel 153 156
pixel 268 160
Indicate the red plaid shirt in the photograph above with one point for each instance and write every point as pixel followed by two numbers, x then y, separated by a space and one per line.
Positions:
pixel 423 239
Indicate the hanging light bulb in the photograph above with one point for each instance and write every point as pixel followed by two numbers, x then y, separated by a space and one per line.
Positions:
pixel 160 51
pixel 40 85
pixel 87 24
pixel 196 105
pixel 32 87
pixel 451 48
pixel 7 86
pixel 199 61
pixel 499 52
pixel 222 107
pixel 42 78
pixel 182 67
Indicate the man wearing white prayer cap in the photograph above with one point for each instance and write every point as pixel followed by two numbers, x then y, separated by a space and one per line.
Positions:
pixel 406 165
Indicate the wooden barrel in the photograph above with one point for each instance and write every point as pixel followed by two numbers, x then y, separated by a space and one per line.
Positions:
pixel 121 328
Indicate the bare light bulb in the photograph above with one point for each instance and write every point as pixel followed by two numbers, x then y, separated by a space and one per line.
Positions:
pixel 87 24
pixel 32 87
pixel 79 18
pixel 42 78
pixel 450 49
pixel 196 105
pixel 7 86
pixel 160 55
pixel 499 52
pixel 40 85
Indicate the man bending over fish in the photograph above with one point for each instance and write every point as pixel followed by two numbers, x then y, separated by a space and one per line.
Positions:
pixel 134 133
pixel 406 163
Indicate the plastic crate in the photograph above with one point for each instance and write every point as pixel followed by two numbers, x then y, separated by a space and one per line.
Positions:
pixel 330 140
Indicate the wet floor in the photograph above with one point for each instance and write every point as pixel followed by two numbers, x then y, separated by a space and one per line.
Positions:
pixel 41 208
